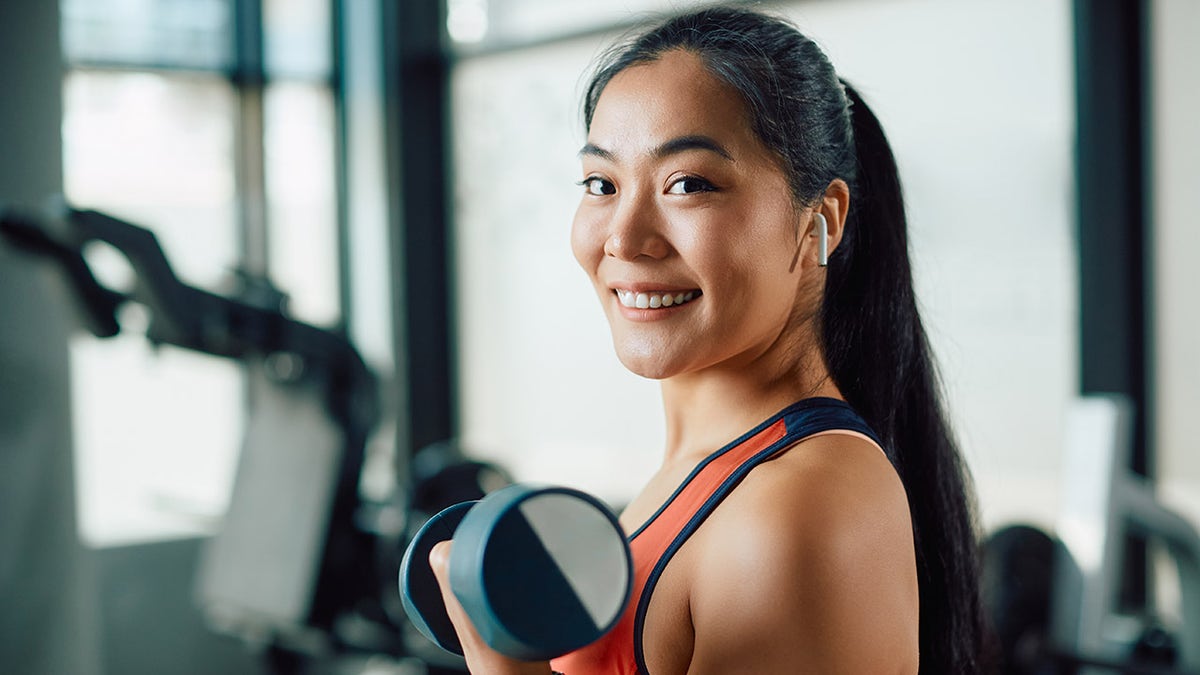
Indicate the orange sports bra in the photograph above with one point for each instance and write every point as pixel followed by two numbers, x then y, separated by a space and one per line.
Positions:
pixel 653 545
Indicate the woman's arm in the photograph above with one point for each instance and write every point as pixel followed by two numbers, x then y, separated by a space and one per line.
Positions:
pixel 809 567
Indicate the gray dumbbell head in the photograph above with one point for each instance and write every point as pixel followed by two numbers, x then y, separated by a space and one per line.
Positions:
pixel 541 571
pixel 419 589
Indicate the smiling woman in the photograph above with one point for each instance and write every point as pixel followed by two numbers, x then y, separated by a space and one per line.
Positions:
pixel 683 198
pixel 810 512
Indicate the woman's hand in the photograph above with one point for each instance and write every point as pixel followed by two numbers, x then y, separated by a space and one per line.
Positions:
pixel 481 659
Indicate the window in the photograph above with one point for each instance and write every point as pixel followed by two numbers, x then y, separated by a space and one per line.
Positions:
pixel 212 123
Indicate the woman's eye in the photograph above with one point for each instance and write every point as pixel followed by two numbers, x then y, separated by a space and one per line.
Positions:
pixel 689 185
pixel 598 186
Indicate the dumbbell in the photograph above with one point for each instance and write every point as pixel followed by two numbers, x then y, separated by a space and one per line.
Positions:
pixel 540 571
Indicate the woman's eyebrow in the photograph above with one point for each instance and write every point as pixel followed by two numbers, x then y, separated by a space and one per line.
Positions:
pixel 591 150
pixel 693 142
pixel 671 147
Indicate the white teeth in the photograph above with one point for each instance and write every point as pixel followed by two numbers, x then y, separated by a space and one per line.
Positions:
pixel 653 300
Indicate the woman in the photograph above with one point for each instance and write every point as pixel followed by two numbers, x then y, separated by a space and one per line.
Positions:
pixel 743 226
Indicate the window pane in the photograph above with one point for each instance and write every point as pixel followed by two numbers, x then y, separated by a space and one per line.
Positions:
pixel 157 431
pixel 157 435
pixel 296 38
pixel 486 23
pixel 180 33
pixel 157 150
pixel 301 199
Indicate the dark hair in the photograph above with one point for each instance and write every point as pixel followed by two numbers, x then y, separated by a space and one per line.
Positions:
pixel 872 336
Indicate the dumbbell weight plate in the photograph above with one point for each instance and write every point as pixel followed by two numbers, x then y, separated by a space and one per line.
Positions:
pixel 541 571
pixel 419 588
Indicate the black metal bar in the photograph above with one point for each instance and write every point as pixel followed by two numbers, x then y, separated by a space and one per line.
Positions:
pixel 1112 215
pixel 228 73
pixel 249 79
pixel 1114 229
pixel 417 76
pixel 337 83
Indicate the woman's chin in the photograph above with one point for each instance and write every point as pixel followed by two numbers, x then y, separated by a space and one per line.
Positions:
pixel 650 364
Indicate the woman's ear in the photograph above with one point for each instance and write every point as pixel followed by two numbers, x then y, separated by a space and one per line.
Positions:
pixel 825 227
pixel 833 207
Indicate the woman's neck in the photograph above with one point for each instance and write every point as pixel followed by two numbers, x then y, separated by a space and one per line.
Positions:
pixel 707 409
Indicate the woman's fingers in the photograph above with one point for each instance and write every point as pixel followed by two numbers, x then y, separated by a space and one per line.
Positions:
pixel 481 659
pixel 439 560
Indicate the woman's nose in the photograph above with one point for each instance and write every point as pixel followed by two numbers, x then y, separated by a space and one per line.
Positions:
pixel 636 231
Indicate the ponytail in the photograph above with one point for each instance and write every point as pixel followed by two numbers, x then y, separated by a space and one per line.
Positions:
pixel 880 358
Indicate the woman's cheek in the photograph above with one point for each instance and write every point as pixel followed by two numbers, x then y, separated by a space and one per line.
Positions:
pixel 587 239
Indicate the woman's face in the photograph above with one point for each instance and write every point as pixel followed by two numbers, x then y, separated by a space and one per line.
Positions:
pixel 687 226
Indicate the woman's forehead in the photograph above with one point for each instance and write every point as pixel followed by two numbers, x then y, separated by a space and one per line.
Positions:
pixel 674 96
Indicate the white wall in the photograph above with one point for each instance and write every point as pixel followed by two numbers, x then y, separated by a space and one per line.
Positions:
pixel 1175 52
pixel 48 609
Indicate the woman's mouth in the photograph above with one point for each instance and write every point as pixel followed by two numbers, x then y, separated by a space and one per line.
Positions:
pixel 655 299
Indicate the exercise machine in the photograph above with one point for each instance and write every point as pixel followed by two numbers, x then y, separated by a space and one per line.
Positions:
pixel 1054 599
pixel 292 559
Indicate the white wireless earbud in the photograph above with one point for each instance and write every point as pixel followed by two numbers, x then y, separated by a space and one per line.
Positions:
pixel 822 239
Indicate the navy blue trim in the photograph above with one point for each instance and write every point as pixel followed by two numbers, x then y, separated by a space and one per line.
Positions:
pixel 790 411
pixel 802 420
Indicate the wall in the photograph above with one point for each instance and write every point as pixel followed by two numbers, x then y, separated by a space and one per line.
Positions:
pixel 47 602
pixel 1175 193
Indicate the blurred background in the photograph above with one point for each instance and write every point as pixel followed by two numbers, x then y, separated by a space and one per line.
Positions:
pixel 399 178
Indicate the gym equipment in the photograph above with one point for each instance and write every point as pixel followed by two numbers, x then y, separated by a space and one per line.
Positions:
pixel 540 571
pixel 1102 504
pixel 419 590
pixel 442 475
pixel 1016 584
pixel 289 559
pixel 1053 600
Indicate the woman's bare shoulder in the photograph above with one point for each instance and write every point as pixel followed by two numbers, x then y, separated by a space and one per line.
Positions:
pixel 810 561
